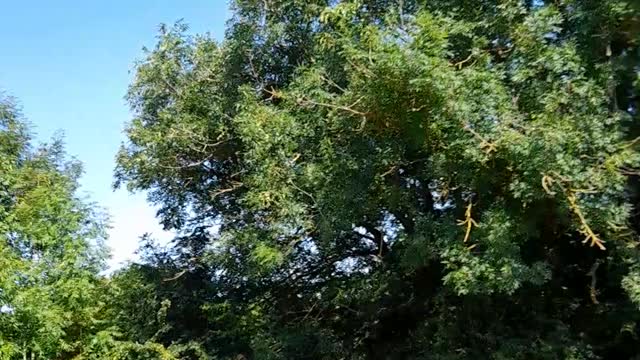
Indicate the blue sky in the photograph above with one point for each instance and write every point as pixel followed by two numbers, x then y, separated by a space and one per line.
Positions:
pixel 69 62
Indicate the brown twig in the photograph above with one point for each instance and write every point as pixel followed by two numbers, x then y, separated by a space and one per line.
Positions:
pixel 175 277
pixel 333 106
pixel 460 63
pixel 191 164
pixel 390 171
pixel 593 292
pixel 220 192
pixel 485 144
pixel 366 72
pixel 332 83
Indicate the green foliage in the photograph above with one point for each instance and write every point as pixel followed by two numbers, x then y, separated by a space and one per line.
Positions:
pixel 398 179
pixel 51 247
pixel 370 179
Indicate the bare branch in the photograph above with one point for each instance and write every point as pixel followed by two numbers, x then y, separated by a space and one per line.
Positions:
pixel 333 106
pixel 232 188
pixel 176 277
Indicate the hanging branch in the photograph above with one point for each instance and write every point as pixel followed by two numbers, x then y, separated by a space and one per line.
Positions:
pixel 592 288
pixel 590 236
pixel 570 194
pixel 469 222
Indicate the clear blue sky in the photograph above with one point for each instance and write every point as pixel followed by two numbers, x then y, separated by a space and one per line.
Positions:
pixel 69 63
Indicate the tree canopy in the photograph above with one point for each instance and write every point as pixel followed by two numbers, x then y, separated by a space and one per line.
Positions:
pixel 399 179
pixel 358 179
pixel 51 248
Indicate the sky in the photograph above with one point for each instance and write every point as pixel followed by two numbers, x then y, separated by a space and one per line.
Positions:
pixel 69 63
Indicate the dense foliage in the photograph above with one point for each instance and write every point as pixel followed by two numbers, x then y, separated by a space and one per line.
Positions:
pixel 360 179
pixel 395 180
pixel 50 248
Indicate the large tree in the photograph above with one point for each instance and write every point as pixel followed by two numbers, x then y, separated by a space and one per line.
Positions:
pixel 397 179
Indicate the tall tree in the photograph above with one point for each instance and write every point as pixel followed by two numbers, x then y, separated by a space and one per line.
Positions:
pixel 400 179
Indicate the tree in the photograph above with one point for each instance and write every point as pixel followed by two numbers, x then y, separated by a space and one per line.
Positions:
pixel 51 248
pixel 54 304
pixel 399 179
